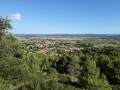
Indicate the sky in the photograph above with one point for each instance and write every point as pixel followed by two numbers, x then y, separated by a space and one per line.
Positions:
pixel 62 16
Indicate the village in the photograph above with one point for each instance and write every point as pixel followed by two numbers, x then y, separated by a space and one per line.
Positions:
pixel 53 48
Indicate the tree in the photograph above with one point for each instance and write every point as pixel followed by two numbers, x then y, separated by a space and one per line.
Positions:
pixel 74 66
pixel 4 26
pixel 12 55
pixel 90 76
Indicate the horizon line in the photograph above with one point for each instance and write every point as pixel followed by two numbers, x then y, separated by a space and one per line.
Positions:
pixel 69 34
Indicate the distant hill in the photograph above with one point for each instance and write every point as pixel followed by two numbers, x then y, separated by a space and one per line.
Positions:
pixel 69 35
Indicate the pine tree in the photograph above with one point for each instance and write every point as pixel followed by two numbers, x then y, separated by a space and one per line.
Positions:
pixel 4 26
pixel 90 76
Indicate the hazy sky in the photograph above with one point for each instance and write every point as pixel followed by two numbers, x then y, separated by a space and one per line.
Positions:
pixel 62 16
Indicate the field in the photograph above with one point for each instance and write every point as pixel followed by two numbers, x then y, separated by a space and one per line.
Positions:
pixel 97 40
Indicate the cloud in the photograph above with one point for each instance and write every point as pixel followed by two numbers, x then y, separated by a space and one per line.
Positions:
pixel 15 16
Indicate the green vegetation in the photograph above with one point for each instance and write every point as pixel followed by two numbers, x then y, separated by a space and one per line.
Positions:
pixel 24 67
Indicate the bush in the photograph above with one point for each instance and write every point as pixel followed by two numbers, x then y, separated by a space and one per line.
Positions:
pixel 63 77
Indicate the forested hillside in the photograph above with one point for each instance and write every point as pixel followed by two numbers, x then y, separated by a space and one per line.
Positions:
pixel 91 68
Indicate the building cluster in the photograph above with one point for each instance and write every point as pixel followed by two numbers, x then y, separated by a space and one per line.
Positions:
pixel 54 46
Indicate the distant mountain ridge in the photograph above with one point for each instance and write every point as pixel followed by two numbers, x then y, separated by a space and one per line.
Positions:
pixel 68 35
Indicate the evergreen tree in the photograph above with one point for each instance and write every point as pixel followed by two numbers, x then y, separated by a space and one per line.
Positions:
pixel 90 76
pixel 4 26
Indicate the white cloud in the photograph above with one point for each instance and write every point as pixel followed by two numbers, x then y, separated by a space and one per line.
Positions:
pixel 15 16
